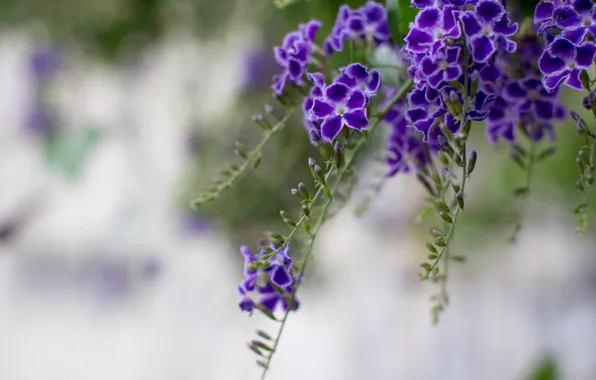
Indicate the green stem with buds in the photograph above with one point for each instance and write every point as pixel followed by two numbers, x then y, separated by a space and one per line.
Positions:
pixel 341 174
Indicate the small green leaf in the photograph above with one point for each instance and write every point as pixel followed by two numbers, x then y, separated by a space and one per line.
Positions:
pixel 283 3
pixel 407 14
pixel 426 213
pixel 393 21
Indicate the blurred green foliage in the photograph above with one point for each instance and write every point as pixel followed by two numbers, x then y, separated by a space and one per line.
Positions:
pixel 111 29
pixel 546 369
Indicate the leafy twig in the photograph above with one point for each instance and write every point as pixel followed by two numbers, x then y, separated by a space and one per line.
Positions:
pixel 522 193
pixel 341 173
pixel 251 158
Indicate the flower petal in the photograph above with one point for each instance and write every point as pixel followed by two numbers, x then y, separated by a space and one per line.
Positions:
pixel 357 100
pixel 322 109
pixel 356 119
pixel 331 128
pixel 281 277
pixel 550 65
pixel 565 17
pixel 471 25
pixel 337 93
pixel 489 10
pixel 584 55
pixel 418 40
pixel 482 48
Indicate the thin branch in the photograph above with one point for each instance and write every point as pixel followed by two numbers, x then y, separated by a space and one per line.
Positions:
pixel 322 217
pixel 253 156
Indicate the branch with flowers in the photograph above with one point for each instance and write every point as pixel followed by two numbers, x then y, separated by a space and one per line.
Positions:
pixel 462 63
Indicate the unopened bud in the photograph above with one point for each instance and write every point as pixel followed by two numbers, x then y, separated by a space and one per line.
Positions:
pixel 304 190
pixel 472 161
pixel 460 200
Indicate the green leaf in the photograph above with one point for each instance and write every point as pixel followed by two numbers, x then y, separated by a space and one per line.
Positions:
pixel 546 369
pixel 426 213
pixel 393 21
pixel 407 14
pixel 283 3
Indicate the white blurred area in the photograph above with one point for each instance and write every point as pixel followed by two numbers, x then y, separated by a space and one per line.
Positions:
pixel 60 319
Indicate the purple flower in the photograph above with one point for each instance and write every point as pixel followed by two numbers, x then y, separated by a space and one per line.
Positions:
pixel 421 4
pixel 426 106
pixel 342 103
pixel 487 25
pixel 500 122
pixel 441 68
pixel 563 62
pixel 404 143
pixel 431 30
pixel 338 107
pixel 529 95
pixel 573 18
pixel 358 77
pixel 295 55
pixel 273 279
pixel 367 23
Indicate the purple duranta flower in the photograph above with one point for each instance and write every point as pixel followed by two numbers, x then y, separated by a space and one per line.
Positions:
pixel 431 30
pixel 295 55
pixel 488 23
pixel 563 62
pixel 529 95
pixel 573 18
pixel 358 77
pixel 338 107
pixel 404 143
pixel 367 23
pixel 343 102
pixel 442 67
pixel 274 284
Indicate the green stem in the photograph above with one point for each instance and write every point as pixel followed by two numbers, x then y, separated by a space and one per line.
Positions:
pixel 254 155
pixel 321 220
pixel 458 210
pixel 522 197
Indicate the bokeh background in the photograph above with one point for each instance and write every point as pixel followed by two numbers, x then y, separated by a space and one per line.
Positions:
pixel 116 114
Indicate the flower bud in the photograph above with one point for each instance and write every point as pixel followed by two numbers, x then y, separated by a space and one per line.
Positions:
pixel 241 150
pixel 337 154
pixel 261 121
pixel 287 218
pixel 472 161
pixel 304 190
pixel 460 199
pixel 445 217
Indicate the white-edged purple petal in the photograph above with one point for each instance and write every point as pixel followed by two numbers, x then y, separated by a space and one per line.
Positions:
pixel 550 65
pixel 337 93
pixel 489 10
pixel 331 127
pixel 322 109
pixel 357 100
pixel 356 119
pixel 482 48
pixel 584 54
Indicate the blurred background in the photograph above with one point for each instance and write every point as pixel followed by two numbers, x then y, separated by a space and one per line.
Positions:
pixel 116 114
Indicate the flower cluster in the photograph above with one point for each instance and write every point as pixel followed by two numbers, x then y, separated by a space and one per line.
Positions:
pixel 520 98
pixel 457 66
pixel 268 273
pixel 367 24
pixel 341 104
pixel 294 56
pixel 568 27
pixel 449 43
pixel 404 144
